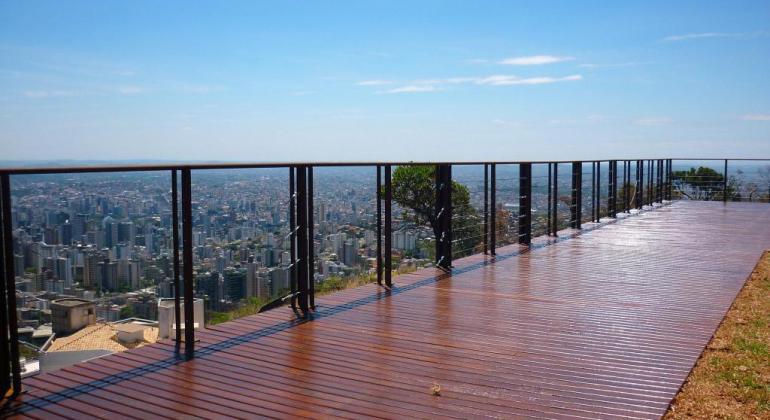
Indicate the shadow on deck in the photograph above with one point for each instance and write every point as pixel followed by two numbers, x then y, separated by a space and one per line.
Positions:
pixel 605 323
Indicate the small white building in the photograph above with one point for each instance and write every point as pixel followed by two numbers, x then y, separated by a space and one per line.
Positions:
pixel 167 320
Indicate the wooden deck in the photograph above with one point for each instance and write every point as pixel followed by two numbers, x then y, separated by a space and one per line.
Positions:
pixel 604 324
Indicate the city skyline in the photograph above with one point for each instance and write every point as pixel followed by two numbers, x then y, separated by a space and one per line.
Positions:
pixel 383 81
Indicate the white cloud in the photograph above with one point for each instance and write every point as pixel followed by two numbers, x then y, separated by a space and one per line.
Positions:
pixel 534 60
pixel 432 85
pixel 374 82
pixel 445 81
pixel 755 117
pixel 413 89
pixel 706 35
pixel 507 80
pixel 653 121
pixel 607 66
pixel 698 36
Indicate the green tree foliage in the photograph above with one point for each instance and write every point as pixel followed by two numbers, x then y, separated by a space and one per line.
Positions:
pixel 704 184
pixel 126 312
pixel 414 188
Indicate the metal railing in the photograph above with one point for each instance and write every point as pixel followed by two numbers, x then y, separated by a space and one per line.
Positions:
pixel 654 181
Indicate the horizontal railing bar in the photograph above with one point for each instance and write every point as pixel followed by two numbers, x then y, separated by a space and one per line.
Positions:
pixel 267 165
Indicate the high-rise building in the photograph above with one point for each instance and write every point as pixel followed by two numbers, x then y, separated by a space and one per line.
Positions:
pixel 128 273
pixel 252 283
pixel 350 253
pixel 64 271
pixel 210 285
pixel 235 283
pixel 110 231
pixel 79 227
pixel 125 233
pixel 279 280
pixel 107 275
pixel 65 234
pixel 90 268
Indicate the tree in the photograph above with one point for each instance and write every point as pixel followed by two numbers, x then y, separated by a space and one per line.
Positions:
pixel 764 175
pixel 705 184
pixel 126 312
pixel 414 188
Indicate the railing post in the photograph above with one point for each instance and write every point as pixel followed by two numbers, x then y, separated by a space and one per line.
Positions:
pixel 493 208
pixel 577 192
pixel 661 192
pixel 656 184
pixel 626 186
pixel 612 195
pixel 593 191
pixel 724 185
pixel 640 184
pixel 5 349
pixel 665 179
pixel 449 213
pixel 388 228
pixel 598 203
pixel 310 240
pixel 379 225
pixel 650 183
pixel 525 203
pixel 548 212
pixel 187 263
pixel 443 209
pixel 175 237
pixel 9 322
pixel 651 178
pixel 626 181
pixel 486 208
pixel 293 237
pixel 555 202
pixel 302 242
pixel 669 177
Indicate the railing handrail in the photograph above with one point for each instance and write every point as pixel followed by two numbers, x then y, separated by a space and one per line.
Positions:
pixel 139 167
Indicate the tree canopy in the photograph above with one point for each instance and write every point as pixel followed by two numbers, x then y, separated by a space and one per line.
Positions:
pixel 703 184
pixel 414 188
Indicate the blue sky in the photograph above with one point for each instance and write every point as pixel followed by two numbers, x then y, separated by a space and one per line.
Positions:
pixel 383 80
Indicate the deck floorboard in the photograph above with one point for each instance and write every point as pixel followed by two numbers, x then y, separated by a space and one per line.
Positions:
pixel 605 323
